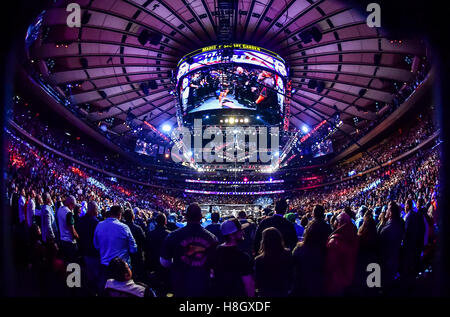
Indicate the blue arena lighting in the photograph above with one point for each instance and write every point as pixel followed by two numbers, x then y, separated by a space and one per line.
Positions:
pixel 166 127
pixel 305 128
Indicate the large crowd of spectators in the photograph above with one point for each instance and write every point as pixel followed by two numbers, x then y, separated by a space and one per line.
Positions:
pixel 132 240
pixel 399 142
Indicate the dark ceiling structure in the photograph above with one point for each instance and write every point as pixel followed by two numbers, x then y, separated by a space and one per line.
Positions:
pixel 121 44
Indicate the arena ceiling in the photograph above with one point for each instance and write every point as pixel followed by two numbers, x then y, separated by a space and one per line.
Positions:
pixel 106 60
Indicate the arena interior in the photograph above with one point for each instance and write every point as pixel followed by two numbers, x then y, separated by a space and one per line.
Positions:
pixel 199 148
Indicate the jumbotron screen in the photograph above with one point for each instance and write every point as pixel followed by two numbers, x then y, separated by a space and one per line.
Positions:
pixel 235 76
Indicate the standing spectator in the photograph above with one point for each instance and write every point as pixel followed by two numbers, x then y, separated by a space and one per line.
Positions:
pixel 309 261
pixel 137 232
pixel 390 238
pixel 367 252
pixel 137 260
pixel 360 216
pixel 273 266
pixel 48 224
pixel 321 230
pixel 342 247
pixel 232 267
pixel 292 217
pixel 187 251
pixel 351 214
pixel 214 227
pixel 31 208
pixel 413 243
pixel 67 232
pixel 37 251
pixel 76 214
pixel 21 207
pixel 408 208
pixel 153 243
pixel 38 210
pixel 138 219
pixel 14 203
pixel 86 229
pixel 304 223
pixel 113 238
pixel 249 228
pixel 172 222
pixel 277 221
pixel 381 221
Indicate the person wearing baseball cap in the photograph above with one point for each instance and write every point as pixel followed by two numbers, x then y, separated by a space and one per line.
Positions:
pixel 233 268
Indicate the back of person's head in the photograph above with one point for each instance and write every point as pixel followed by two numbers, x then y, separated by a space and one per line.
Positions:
pixel 333 221
pixel 128 215
pixel 127 205
pixel 408 205
pixel 281 206
pixel 309 236
pixel 376 212
pixel 368 215
pixel 304 221
pixel 267 211
pixel 70 202
pixel 115 211
pixel 420 203
pixel 76 209
pixel 342 219
pixel 35 232
pixel 193 213
pixel 319 212
pixel 291 217
pixel 92 208
pixel 349 212
pixel 393 210
pixel 242 214
pixel 119 270
pixel 361 211
pixel 215 217
pixel 272 243
pixel 231 229
pixel 47 198
pixel 368 228
pixel 161 219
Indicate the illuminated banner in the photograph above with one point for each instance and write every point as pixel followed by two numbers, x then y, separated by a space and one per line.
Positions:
pixel 275 181
pixel 206 192
pixel 238 56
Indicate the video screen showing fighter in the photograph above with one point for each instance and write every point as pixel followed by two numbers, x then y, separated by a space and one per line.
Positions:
pixel 231 87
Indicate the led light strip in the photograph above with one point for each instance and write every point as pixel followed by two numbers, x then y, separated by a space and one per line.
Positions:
pixel 276 181
pixel 206 192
